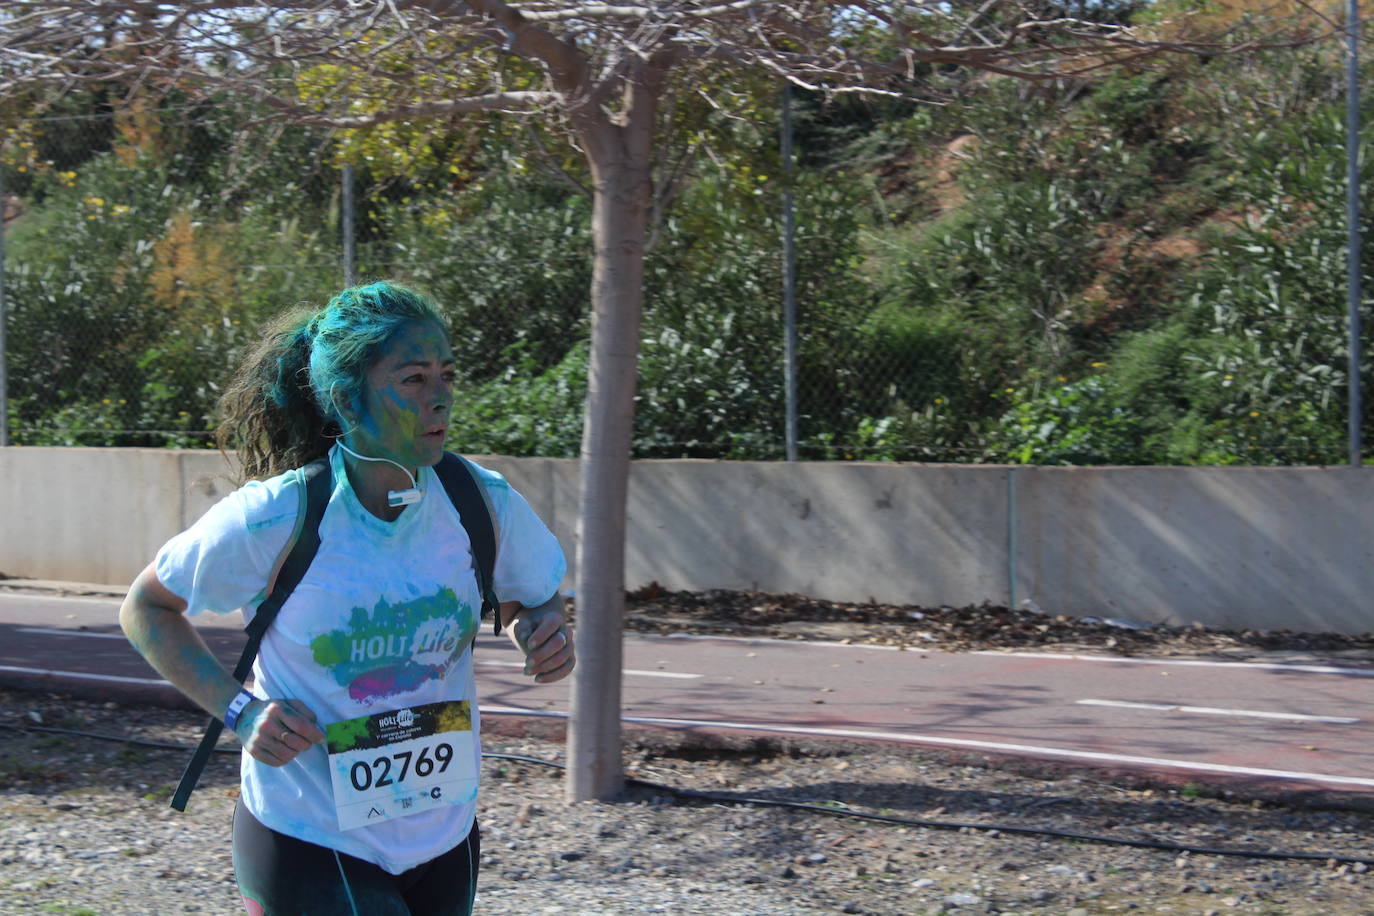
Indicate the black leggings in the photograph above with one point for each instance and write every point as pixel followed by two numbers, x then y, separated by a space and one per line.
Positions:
pixel 279 875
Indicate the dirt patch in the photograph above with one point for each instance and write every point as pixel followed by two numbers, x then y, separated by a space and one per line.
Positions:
pixel 944 189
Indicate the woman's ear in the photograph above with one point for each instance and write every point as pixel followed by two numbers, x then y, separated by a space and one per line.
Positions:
pixel 345 407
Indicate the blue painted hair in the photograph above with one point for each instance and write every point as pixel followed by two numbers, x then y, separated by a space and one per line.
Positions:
pixel 282 409
pixel 347 337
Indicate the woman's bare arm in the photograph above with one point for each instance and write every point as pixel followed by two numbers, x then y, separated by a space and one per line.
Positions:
pixel 154 620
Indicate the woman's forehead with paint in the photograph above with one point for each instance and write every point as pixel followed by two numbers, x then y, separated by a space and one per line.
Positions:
pixel 416 344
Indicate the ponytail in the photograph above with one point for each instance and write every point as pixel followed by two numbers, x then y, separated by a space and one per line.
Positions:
pixel 268 414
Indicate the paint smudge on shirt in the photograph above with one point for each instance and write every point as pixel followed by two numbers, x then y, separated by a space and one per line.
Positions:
pixel 396 648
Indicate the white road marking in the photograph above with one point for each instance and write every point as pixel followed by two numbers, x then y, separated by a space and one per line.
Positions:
pixel 81 675
pixel 1185 662
pixel 53 631
pixel 45 631
pixel 143 680
pixel 30 598
pixel 1214 711
pixel 1196 766
pixel 636 671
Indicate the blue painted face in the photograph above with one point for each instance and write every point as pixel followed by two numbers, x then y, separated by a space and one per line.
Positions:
pixel 407 396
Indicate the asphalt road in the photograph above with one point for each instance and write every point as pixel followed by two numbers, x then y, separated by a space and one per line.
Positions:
pixel 1286 726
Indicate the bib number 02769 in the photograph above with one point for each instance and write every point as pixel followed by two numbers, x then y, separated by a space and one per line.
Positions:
pixel 380 771
pixel 399 763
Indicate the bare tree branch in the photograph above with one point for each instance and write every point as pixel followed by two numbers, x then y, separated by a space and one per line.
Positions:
pixel 576 46
pixel 509 102
pixel 552 163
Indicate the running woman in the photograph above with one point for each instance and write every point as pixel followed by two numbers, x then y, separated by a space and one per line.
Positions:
pixel 360 755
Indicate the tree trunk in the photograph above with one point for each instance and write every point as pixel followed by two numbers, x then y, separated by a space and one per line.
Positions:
pixel 619 227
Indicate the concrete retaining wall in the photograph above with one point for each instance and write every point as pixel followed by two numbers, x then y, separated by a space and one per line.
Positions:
pixel 1240 547
pixel 1268 548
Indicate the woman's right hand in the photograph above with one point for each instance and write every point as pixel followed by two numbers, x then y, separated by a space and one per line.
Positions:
pixel 276 731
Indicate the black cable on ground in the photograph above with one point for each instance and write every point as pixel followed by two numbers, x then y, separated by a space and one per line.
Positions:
pixel 1001 828
pixel 722 798
pixel 141 742
pixel 955 825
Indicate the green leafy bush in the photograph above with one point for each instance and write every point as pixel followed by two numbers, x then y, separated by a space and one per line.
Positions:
pixel 1071 423
pixel 510 263
pixel 129 301
pixel 1146 268
pixel 528 412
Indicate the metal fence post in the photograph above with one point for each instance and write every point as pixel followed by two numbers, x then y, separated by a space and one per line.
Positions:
pixel 350 250
pixel 789 280
pixel 1352 197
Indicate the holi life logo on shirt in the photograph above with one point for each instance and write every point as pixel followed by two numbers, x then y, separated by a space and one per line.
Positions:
pixel 396 648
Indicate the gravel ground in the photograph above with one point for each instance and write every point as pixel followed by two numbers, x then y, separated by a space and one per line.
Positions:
pixel 85 827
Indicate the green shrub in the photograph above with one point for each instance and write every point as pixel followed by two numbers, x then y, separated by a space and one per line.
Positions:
pixel 1072 423
pixel 129 307
pixel 510 263
pixel 529 412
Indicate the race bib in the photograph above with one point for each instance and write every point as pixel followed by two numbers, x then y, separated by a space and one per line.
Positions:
pixel 392 764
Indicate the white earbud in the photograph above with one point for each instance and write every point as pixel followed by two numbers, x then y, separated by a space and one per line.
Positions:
pixel 393 497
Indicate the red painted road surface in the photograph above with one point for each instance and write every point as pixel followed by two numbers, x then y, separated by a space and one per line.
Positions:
pixel 1291 726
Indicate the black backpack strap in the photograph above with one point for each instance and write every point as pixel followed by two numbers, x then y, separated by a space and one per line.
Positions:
pixel 469 497
pixel 317 482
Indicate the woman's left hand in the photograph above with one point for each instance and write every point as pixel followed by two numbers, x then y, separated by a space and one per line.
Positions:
pixel 277 731
pixel 542 634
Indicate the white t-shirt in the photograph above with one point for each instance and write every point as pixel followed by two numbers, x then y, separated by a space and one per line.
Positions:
pixel 383 620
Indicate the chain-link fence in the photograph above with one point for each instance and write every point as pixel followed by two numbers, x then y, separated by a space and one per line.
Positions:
pixel 145 248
